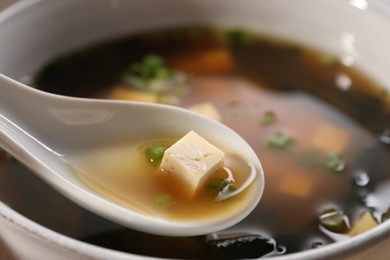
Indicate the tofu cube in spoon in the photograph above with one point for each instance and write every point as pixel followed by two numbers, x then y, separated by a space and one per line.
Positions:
pixel 192 160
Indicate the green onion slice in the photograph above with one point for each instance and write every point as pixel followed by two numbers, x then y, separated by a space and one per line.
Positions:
pixel 154 154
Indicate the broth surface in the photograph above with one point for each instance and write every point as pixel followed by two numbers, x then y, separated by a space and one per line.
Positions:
pixel 121 172
pixel 335 123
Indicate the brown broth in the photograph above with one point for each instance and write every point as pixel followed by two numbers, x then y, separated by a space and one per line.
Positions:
pixel 120 171
pixel 245 79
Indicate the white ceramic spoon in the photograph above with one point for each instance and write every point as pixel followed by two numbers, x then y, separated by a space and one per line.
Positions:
pixel 39 129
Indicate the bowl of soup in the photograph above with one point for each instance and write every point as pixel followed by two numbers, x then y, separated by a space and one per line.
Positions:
pixel 305 83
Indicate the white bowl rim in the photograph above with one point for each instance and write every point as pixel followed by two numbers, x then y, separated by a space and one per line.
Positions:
pixel 14 219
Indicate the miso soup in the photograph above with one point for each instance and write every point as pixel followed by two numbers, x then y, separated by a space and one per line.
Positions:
pixel 123 172
pixel 321 129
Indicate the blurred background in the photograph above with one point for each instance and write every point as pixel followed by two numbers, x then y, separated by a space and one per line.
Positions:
pixel 5 3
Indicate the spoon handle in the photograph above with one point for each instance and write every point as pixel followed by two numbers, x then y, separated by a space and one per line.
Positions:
pixel 19 104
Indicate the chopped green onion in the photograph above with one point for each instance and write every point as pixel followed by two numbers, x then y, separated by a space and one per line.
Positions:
pixel 239 36
pixel 163 201
pixel 268 118
pixel 279 141
pixel 334 162
pixel 221 186
pixel 153 61
pixel 154 154
pixel 151 68
pixel 334 220
pixel 151 75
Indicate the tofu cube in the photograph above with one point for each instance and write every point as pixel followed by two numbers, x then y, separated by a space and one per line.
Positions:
pixel 121 92
pixel 192 160
pixel 365 223
pixel 297 186
pixel 331 138
pixel 207 109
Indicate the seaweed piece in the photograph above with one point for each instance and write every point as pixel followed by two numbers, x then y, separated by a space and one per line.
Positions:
pixel 334 220
pixel 239 246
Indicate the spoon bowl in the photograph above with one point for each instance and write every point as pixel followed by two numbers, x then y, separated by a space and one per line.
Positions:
pixel 39 129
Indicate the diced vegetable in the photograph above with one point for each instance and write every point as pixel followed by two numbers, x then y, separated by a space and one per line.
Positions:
pixel 334 162
pixel 163 201
pixel 279 140
pixel 313 158
pixel 268 118
pixel 155 154
pixel 334 220
pixel 152 67
pixel 365 222
pixel 151 75
pixel 221 185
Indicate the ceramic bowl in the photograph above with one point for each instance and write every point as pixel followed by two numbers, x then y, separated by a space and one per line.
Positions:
pixel 34 31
